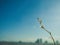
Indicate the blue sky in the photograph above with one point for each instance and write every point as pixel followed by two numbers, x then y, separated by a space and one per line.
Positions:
pixel 18 19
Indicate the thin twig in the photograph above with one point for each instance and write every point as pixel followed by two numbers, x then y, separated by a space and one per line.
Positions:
pixel 40 21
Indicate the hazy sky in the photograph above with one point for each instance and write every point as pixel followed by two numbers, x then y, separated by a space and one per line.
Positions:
pixel 18 19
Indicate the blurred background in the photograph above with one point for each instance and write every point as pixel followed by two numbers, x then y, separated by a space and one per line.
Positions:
pixel 18 20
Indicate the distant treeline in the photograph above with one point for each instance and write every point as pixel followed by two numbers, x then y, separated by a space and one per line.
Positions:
pixel 37 42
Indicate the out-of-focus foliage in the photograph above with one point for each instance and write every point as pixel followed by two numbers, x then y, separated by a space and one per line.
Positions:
pixel 37 42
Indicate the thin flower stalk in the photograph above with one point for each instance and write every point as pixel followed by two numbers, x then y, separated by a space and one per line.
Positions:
pixel 42 26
